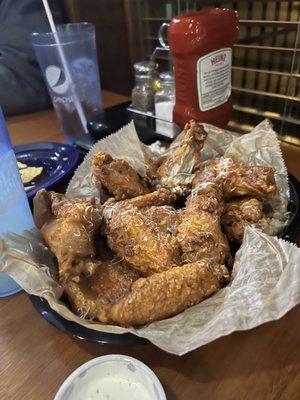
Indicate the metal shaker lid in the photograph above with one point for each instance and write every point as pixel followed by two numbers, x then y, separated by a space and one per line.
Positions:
pixel 166 77
pixel 145 68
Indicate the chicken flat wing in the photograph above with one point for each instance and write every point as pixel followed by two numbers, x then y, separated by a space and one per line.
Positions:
pixel 118 177
pixel 160 197
pixel 68 229
pixel 93 296
pixel 240 213
pixel 174 170
pixel 199 234
pixel 131 237
pixel 237 179
pixel 168 293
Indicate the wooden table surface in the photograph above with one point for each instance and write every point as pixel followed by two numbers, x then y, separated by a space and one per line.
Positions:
pixel 35 358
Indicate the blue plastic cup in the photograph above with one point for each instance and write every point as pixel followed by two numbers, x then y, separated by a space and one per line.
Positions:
pixel 15 214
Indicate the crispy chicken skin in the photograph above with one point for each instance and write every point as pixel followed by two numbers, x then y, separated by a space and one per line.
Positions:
pixel 132 238
pixel 160 197
pixel 93 296
pixel 238 214
pixel 171 171
pixel 167 293
pixel 45 205
pixel 117 176
pixel 163 219
pixel 237 179
pixel 68 229
pixel 199 234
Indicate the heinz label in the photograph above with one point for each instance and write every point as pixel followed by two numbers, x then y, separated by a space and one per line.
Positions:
pixel 214 78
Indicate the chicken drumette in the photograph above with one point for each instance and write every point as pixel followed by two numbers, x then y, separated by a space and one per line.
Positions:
pixel 68 227
pixel 240 213
pixel 117 176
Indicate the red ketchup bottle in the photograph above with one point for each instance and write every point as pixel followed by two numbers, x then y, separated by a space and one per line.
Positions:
pixel 201 44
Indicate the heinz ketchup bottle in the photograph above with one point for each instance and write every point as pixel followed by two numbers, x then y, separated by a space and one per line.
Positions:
pixel 201 44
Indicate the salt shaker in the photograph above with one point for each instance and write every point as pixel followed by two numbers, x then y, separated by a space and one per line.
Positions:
pixel 143 92
pixel 164 104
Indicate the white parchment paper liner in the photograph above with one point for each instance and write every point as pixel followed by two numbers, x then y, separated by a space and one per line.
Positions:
pixel 265 285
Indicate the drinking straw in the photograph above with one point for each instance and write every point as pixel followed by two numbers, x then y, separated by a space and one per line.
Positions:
pixel 64 62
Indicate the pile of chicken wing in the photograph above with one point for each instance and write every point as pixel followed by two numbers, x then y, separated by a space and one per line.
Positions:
pixel 160 243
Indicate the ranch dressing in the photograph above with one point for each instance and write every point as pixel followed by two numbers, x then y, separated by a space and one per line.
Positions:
pixel 112 377
pixel 116 388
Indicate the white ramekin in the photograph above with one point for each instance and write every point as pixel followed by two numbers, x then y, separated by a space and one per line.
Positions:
pixel 116 368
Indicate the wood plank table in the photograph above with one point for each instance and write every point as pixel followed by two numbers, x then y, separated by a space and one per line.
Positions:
pixel 35 358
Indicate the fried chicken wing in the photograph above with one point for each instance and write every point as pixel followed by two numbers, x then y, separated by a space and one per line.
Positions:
pixel 93 296
pixel 118 177
pixel 132 238
pixel 160 197
pixel 237 179
pixel 167 293
pixel 238 214
pixel 174 170
pixel 68 228
pixel 199 234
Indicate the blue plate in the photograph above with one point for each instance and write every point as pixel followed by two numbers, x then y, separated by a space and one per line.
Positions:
pixel 58 161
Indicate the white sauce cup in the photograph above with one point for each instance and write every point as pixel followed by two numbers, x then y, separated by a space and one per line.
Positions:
pixel 112 377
